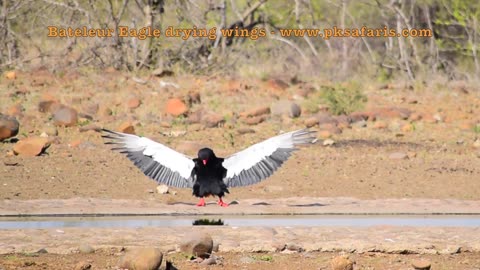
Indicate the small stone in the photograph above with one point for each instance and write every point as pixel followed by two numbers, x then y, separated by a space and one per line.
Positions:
pixel 162 189
pixel 311 122
pixel 42 251
pixel 328 142
pixel 407 128
pixel 398 155
pixel 242 131
pixel 256 112
pixel 476 143
pixel 10 75
pixel 104 111
pixel 193 98
pixel 341 263
pixel 15 110
pixel 324 134
pixel 75 143
pixel 438 118
pixel 415 117
pixel 254 120
pixel 86 249
pixel 83 266
pixel 421 264
pixel 176 107
pixel 48 106
pixel 380 125
pixel 31 147
pixel 213 120
pixel 197 244
pixel 286 107
pixel 126 127
pixel 9 127
pixel 210 261
pixel 65 116
pixel 142 259
pixel 247 260
pixel 133 103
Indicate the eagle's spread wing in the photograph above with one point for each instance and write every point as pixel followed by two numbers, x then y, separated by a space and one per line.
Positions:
pixel 261 160
pixel 155 160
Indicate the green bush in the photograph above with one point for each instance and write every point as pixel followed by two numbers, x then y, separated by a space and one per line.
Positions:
pixel 343 100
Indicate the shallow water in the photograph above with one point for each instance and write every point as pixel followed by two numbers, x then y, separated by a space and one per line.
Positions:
pixel 239 221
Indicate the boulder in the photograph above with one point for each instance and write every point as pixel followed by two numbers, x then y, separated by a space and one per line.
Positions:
pixel 197 244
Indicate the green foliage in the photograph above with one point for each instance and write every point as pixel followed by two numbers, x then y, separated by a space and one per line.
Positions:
pixel 343 100
pixel 265 258
pixel 476 128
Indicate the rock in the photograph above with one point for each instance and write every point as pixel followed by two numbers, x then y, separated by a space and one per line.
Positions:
pixel 393 112
pixel 272 189
pixel 65 116
pixel 254 120
pixel 343 121
pixel 75 143
pixel 91 109
pixel 10 75
pixel 86 249
pixel 311 121
pixel 324 134
pixel 476 143
pixel 332 128
pixel 286 107
pixel 360 124
pixel 438 118
pixel 210 261
pixel 50 131
pixel 48 106
pixel 415 117
pixel 31 147
pixel 242 131
pixel 341 263
pixel 197 244
pixel 9 127
pixel 407 127
pixel 133 103
pixel 42 251
pixel 90 127
pixel 362 116
pixel 246 260
pixel 104 111
pixel 380 124
pixel 176 107
pixel 421 264
pixel 213 120
pixel 15 110
pixel 256 112
pixel 142 259
pixel 195 117
pixel 328 142
pixel 193 98
pixel 162 189
pixel 398 155
pixel 82 266
pixel 126 127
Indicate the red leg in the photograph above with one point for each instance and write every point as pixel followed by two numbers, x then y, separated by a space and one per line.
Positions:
pixel 201 202
pixel 221 202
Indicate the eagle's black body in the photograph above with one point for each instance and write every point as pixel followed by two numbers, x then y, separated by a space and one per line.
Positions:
pixel 209 176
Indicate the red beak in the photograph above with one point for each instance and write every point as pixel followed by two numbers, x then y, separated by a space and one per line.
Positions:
pixel 204 161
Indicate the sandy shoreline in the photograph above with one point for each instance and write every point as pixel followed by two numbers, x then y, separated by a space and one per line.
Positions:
pixel 283 206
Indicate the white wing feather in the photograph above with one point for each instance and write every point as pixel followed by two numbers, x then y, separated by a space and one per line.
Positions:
pixel 156 160
pixel 261 160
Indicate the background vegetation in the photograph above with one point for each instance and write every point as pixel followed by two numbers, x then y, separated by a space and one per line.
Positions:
pixel 452 52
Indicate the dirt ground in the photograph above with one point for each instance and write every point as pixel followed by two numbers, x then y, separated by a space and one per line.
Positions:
pixel 108 259
pixel 440 158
